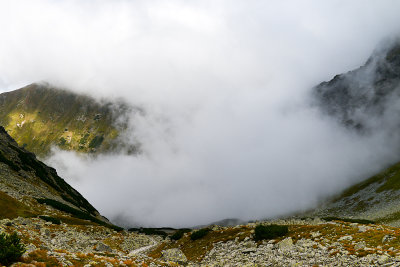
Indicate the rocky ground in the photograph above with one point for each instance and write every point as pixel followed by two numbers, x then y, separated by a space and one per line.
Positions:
pixel 49 244
pixel 309 243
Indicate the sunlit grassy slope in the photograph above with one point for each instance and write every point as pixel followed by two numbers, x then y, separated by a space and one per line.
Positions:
pixel 39 116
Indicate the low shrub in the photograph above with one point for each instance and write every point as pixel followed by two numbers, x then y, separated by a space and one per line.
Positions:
pixel 269 231
pixel 360 221
pixel 179 234
pixel 149 231
pixel 96 141
pixel 10 248
pixel 50 219
pixel 153 231
pixel 200 233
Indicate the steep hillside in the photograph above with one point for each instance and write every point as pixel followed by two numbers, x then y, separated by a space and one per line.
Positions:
pixel 55 223
pixel 39 116
pixel 366 100
pixel 26 184
pixel 377 198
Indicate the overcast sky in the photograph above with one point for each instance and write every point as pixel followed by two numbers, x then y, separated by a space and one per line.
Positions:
pixel 228 130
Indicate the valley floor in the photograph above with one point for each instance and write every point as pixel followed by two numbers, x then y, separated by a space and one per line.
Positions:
pixel 310 242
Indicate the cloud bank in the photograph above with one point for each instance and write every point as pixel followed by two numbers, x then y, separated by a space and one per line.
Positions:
pixel 228 130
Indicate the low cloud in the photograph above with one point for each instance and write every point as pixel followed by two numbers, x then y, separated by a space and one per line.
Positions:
pixel 227 129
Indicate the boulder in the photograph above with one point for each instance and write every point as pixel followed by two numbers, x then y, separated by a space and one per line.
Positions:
pixel 101 247
pixel 363 228
pixel 360 245
pixel 285 244
pixel 383 259
pixel 174 255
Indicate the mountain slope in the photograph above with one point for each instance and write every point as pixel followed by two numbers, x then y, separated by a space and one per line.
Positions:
pixel 366 100
pixel 57 235
pixel 26 184
pixel 39 116
pixel 377 199
pixel 55 223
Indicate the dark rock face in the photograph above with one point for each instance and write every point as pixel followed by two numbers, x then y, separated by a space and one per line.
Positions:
pixel 365 98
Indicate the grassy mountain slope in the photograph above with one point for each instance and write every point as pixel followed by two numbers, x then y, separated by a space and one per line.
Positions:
pixel 377 199
pixel 39 116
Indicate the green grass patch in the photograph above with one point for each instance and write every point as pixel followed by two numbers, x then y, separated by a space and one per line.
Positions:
pixel 84 139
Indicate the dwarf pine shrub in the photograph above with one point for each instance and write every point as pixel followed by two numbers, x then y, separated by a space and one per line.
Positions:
pixel 179 234
pixel 200 233
pixel 269 231
pixel 10 248
pixel 50 219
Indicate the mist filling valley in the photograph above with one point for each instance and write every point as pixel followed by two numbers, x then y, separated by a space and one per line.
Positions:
pixel 229 127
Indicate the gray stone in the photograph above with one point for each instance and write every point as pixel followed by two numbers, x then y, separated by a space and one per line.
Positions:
pixel 363 228
pixel 285 244
pixel 360 245
pixel 249 250
pixel 45 232
pixel 315 234
pixel 383 259
pixel 250 244
pixel 174 255
pixel 101 247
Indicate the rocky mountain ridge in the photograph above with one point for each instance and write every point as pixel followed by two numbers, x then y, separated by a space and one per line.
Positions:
pixel 365 98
